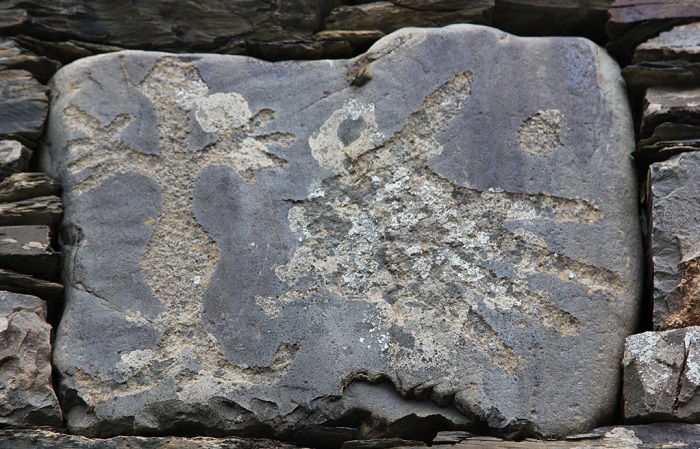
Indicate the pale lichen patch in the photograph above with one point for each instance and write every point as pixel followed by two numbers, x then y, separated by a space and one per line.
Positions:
pixel 221 111
pixel 541 134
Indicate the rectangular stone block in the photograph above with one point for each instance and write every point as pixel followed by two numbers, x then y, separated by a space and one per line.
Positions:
pixel 26 395
pixel 27 249
pixel 675 241
pixel 439 234
pixel 662 376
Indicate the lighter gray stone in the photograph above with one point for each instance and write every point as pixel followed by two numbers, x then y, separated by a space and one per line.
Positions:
pixel 681 42
pixel 26 395
pixel 14 157
pixel 675 241
pixel 253 244
pixel 662 376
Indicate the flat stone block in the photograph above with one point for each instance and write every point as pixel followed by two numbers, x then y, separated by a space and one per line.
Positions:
pixel 26 395
pixel 23 186
pixel 397 242
pixel 23 105
pixel 14 157
pixel 670 105
pixel 675 241
pixel 27 249
pixel 681 42
pixel 662 376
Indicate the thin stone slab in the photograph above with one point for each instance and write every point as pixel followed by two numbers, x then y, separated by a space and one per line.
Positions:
pixel 682 42
pixel 399 240
pixel 27 249
pixel 26 395
pixel 46 439
pixel 662 376
pixel 43 210
pixel 23 186
pixel 669 105
pixel 12 281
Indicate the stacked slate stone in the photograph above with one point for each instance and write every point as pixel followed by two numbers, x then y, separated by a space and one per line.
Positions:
pixel 662 366
pixel 30 211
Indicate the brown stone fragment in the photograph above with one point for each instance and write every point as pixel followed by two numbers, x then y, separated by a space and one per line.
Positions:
pixel 21 283
pixel 684 307
pixel 27 250
pixel 26 395
pixel 22 186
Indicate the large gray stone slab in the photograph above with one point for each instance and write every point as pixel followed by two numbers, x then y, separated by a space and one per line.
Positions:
pixel 26 394
pixel 442 233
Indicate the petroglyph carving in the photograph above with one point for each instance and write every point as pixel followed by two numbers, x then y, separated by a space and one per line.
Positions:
pixel 542 133
pixel 179 260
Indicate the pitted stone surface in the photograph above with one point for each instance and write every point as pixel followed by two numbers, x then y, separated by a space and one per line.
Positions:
pixel 26 396
pixel 257 246
pixel 675 241
pixel 662 376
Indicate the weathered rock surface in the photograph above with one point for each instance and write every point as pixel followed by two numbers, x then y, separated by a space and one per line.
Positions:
pixel 633 22
pixel 27 249
pixel 388 16
pixel 12 281
pixel 285 30
pixel 45 439
pixel 670 59
pixel 670 105
pixel 14 56
pixel 675 234
pixel 23 105
pixel 662 376
pixel 14 157
pixel 681 42
pixel 26 395
pixel 553 17
pixel 649 436
pixel 255 247
pixel 44 210
pixel 23 186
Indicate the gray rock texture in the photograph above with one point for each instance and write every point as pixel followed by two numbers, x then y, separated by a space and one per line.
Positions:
pixel 23 105
pixel 26 395
pixel 648 436
pixel 298 29
pixel 45 439
pixel 14 157
pixel 675 241
pixel 662 376
pixel 27 249
pixel 397 240
pixel 680 43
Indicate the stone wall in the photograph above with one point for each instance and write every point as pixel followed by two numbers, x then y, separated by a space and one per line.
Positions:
pixel 428 290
